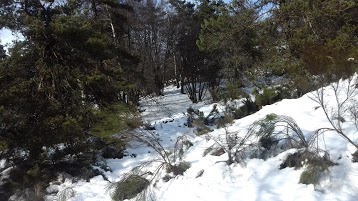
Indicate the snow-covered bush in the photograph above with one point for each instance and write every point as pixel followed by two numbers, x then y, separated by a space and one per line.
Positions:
pixel 137 182
pixel 278 133
pixel 65 194
pixel 338 102
pixel 234 143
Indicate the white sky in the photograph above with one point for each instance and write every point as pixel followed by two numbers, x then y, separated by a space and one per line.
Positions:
pixel 6 36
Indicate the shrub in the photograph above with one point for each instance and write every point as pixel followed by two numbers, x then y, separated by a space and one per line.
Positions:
pixel 196 118
pixel 128 187
pixel 315 170
pixel 201 128
pixel 115 119
pixel 181 145
pixel 310 176
pixel 279 130
pixel 167 161
pixel 179 169
pixel 248 107
pixel 267 97
pixel 316 163
pixel 234 144
pixel 224 120
pixel 134 122
pixel 65 194
pixel 233 89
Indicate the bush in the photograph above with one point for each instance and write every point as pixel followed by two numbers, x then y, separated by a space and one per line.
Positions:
pixel 311 175
pixel 248 108
pixel 315 170
pixel 267 97
pixel 201 128
pixel 65 194
pixel 196 118
pixel 181 145
pixel 128 187
pixel 167 159
pixel 234 144
pixel 134 122
pixel 311 158
pixel 281 131
pixel 224 120
pixel 115 119
pixel 179 169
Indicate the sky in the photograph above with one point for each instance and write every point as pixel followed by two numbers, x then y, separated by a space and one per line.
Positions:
pixel 6 36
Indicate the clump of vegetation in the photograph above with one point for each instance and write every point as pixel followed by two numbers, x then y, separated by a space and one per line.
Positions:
pixel 305 157
pixel 277 133
pixel 65 194
pixel 228 92
pixel 238 112
pixel 179 169
pixel 171 161
pixel 315 168
pixel 128 187
pixel 224 120
pixel 234 144
pixel 196 118
pixel 270 96
pixel 115 119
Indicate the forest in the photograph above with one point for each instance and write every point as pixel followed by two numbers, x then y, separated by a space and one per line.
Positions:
pixel 79 73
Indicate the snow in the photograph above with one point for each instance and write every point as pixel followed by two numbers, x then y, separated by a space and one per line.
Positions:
pixel 251 179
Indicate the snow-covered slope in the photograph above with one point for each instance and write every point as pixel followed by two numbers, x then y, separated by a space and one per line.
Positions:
pixel 253 179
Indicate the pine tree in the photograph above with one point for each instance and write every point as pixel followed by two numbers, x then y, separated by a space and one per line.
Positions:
pixel 68 63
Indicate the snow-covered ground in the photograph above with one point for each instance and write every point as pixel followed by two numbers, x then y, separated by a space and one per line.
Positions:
pixel 253 179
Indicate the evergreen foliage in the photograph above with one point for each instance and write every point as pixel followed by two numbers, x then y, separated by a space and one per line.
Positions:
pixel 67 65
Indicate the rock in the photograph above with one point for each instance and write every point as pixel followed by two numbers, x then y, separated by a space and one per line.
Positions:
pixel 199 174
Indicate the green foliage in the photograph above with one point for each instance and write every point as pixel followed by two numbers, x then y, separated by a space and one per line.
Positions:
pixel 236 112
pixel 323 39
pixel 233 89
pixel 113 120
pixel 231 39
pixel 267 97
pixel 279 132
pixel 67 63
pixel 201 128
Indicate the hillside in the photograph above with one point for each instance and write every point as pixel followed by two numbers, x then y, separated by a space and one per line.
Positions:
pixel 209 178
